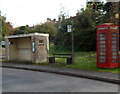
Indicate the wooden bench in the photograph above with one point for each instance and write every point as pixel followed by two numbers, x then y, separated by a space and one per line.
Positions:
pixel 67 56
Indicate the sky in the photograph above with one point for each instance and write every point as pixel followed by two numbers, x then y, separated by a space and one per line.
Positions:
pixel 32 12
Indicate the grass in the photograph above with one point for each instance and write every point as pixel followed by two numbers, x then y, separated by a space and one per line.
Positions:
pixel 2 50
pixel 83 60
pixel 89 63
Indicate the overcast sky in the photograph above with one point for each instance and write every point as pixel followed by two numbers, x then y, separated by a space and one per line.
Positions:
pixel 32 12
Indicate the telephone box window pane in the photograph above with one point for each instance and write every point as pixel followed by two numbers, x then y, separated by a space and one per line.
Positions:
pixel 102 61
pixel 114 45
pixel 102 49
pixel 113 61
pixel 114 53
pixel 114 49
pixel 102 45
pixel 114 34
pixel 102 34
pixel 102 38
pixel 102 57
pixel 114 57
pixel 102 53
pixel 102 41
pixel 114 38
pixel 102 28
pixel 114 41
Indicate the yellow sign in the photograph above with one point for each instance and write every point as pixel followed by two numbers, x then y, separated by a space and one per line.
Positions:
pixel 116 15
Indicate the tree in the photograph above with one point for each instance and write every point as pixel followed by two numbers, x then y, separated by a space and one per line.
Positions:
pixel 47 27
pixel 22 30
pixel 85 30
pixel 63 38
pixel 6 27
pixel 84 24
pixel 97 6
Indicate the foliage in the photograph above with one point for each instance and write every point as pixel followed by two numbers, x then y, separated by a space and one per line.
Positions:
pixel 6 28
pixel 21 30
pixel 85 30
pixel 107 10
pixel 98 6
pixel 47 27
pixel 84 24
pixel 63 38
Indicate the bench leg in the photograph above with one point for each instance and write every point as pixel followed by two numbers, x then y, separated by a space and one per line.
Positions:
pixel 51 60
pixel 69 60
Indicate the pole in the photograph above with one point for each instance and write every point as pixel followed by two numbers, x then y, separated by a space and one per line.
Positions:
pixel 70 29
pixel 72 45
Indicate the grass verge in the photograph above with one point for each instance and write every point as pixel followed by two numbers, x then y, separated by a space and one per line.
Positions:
pixel 83 60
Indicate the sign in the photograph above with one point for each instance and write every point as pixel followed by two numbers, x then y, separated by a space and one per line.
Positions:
pixel 69 28
pixel 33 47
pixel 116 27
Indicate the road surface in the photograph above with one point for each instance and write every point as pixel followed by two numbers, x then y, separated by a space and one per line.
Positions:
pixel 15 80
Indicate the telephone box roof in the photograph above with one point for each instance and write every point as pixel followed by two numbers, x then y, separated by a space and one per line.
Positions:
pixel 108 25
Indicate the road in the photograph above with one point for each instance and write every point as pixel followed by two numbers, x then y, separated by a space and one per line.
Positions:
pixel 15 80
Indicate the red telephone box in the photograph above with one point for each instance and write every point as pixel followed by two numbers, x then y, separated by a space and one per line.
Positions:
pixel 107 46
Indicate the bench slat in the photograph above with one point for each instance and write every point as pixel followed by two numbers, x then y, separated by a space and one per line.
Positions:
pixel 67 56
pixel 62 57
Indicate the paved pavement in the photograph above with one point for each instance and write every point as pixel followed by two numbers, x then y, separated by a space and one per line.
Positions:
pixel 0 80
pixel 103 76
pixel 17 80
pixel 2 57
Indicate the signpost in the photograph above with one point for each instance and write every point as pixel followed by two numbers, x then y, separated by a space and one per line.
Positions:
pixel 70 29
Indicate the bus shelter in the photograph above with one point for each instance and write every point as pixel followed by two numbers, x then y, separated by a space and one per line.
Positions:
pixel 27 47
